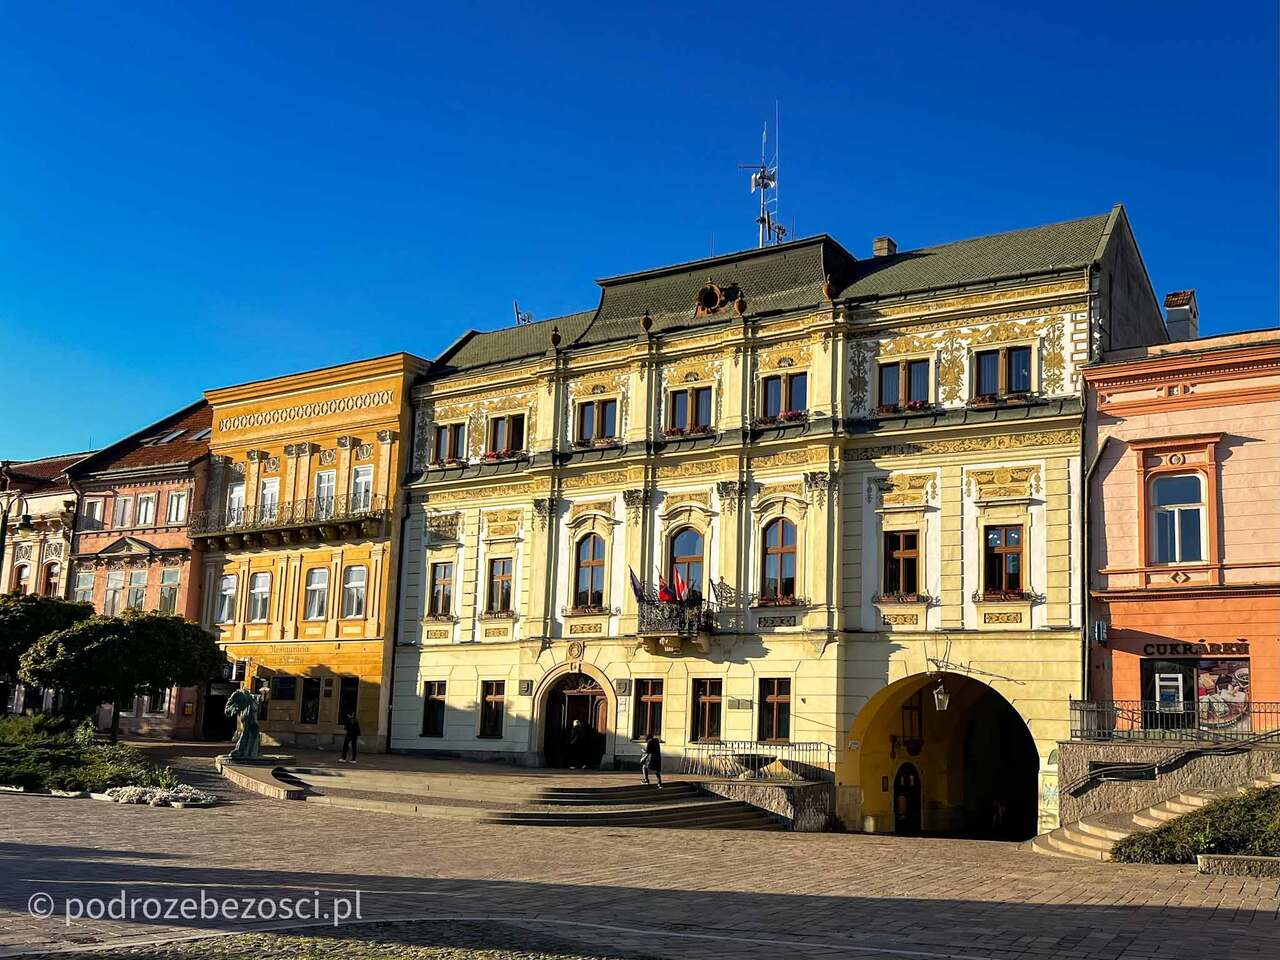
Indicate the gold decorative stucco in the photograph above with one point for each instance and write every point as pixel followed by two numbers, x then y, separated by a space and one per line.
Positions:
pixel 1013 441
pixel 1003 482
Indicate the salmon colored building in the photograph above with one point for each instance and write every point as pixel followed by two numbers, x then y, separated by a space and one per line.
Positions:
pixel 1182 449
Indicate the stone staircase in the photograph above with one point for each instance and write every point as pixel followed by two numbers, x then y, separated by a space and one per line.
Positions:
pixel 1092 837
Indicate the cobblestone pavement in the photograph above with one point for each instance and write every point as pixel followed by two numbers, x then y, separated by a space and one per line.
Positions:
pixel 604 891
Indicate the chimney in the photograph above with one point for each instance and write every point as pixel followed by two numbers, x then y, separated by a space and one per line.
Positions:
pixel 884 247
pixel 1182 316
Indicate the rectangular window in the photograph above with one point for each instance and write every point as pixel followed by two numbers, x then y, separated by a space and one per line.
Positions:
pixel 890 384
pixel 597 420
pixel 775 709
pixel 259 597
pixel 1177 518
pixel 92 516
pixel 441 589
pixel 450 442
pixel 785 394
pixel 707 701
pixel 284 688
pixel 123 512
pixel 506 434
pixel 235 504
pixel 1018 372
pixel 492 698
pixel 310 712
pixel 84 588
pixel 648 715
pixel 268 499
pixel 679 410
pixel 157 700
pixel 226 611
pixel 918 381
pixel 169 580
pixel 772 397
pixel 146 509
pixel 1002 561
pixel 326 488
pixel 316 601
pixel 689 409
pixel 797 392
pixel 137 590
pixel 353 590
pixel 114 594
pixel 348 697
pixel 500 585
pixel 901 564
pixel 177 507
pixel 362 489
pixel 433 707
pixel 987 364
pixel 702 407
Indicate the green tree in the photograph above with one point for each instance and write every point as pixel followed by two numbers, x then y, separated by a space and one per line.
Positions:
pixel 113 659
pixel 25 618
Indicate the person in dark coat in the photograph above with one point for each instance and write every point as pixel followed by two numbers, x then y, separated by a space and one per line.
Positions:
pixel 352 726
pixel 652 759
pixel 577 746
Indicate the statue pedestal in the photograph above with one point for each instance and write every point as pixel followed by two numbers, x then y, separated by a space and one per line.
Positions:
pixel 266 760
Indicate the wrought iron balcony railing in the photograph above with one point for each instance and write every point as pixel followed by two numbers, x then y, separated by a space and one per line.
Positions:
pixel 1213 717
pixel 352 508
pixel 673 618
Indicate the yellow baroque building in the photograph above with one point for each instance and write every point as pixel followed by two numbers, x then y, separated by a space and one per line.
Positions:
pixel 862 478
pixel 300 530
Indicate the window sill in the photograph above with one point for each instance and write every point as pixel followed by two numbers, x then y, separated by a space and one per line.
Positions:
pixel 588 612
pixel 498 615
pixel 439 618
pixel 488 736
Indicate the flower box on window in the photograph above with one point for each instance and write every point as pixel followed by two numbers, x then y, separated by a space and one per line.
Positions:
pixel 588 611
pixel 449 462
pixel 887 409
pixel 582 444
pixel 674 432
pixel 919 406
pixel 984 400
pixel 699 430
pixel 898 598
pixel 1020 397
pixel 498 615
pixel 777 601
pixel 764 421
pixel 495 456
pixel 1004 595
pixel 793 416
pixel 606 442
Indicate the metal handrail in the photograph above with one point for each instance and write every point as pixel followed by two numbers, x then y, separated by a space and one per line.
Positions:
pixel 760 760
pixel 1206 719
pixel 313 510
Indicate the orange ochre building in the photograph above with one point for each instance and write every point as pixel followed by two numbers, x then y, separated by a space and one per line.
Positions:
pixel 1183 460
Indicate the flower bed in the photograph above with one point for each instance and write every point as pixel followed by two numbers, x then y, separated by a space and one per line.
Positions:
pixel 180 795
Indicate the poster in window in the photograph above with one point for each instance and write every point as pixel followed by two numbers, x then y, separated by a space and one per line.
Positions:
pixel 1222 692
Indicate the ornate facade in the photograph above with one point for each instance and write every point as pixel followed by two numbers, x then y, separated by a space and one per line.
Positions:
pixel 132 549
pixel 866 472
pixel 300 541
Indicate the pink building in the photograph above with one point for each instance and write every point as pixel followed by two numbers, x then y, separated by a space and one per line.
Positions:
pixel 131 547
pixel 1184 532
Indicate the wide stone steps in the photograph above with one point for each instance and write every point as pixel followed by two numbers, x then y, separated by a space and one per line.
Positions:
pixel 1093 837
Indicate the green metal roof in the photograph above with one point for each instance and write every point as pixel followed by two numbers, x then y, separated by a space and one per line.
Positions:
pixel 781 278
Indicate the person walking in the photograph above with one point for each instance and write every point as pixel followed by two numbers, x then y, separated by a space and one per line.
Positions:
pixel 577 746
pixel 652 759
pixel 352 726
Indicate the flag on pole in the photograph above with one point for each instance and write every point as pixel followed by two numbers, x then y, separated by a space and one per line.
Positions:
pixel 636 586
pixel 677 581
pixel 664 592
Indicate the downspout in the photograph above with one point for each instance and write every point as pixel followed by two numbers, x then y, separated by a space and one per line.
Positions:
pixel 1087 555
pixel 395 630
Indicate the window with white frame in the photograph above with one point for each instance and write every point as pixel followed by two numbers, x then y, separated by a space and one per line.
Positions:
pixel 259 597
pixel 177 506
pixel 92 515
pixel 226 599
pixel 316 602
pixel 123 512
pixel 146 509
pixel 1177 518
pixel 235 503
pixel 353 589
pixel 83 588
pixel 169 580
pixel 137 595
pixel 362 488
pixel 326 489
pixel 268 499
pixel 114 593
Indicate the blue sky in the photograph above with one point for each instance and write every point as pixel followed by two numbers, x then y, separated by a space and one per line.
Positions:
pixel 203 194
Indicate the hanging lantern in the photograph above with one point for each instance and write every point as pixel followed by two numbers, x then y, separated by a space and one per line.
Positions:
pixel 941 697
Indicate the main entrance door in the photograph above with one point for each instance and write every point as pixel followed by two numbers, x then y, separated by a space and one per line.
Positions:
pixel 906 800
pixel 575 696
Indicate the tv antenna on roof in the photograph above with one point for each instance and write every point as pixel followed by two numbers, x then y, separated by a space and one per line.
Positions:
pixel 522 319
pixel 764 180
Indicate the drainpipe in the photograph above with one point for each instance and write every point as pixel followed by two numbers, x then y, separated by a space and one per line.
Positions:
pixel 1087 553
pixel 395 625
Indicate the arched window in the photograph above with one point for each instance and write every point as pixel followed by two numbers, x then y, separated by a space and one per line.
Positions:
pixel 686 558
pixel 589 579
pixel 1177 518
pixel 317 594
pixel 21 578
pixel 779 581
pixel 52 579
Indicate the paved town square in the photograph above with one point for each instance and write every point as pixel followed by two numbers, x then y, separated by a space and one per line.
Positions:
pixel 608 892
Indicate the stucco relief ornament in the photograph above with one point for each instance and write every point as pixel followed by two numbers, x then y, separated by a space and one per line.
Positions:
pixel 272 465
pixel 816 485
pixel 636 501
pixel 728 491
pixel 544 509
pixel 328 457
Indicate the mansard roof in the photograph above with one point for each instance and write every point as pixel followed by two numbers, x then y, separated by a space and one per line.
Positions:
pixel 178 440
pixel 787 277
pixel 45 475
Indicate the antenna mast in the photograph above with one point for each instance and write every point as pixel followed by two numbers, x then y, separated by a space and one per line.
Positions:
pixel 764 180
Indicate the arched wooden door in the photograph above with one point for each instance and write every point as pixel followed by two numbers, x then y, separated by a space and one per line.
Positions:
pixel 906 800
pixel 575 696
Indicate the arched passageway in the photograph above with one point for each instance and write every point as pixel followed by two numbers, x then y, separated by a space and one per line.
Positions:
pixel 575 697
pixel 959 761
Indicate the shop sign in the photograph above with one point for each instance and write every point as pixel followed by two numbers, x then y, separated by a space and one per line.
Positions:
pixel 1195 649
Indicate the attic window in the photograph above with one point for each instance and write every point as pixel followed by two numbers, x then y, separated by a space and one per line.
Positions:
pixel 202 434
pixel 168 437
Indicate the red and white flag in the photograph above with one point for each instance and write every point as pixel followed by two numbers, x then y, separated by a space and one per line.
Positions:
pixel 677 581
pixel 664 592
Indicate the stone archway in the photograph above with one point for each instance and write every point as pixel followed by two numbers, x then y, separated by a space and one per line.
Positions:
pixel 568 692
pixel 978 766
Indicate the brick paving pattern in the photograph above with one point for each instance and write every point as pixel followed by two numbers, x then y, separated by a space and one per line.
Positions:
pixel 618 892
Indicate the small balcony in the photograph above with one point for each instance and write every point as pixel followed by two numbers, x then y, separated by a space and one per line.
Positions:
pixel 273 524
pixel 668 625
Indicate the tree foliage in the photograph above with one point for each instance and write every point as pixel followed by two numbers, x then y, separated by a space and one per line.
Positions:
pixel 113 659
pixel 25 618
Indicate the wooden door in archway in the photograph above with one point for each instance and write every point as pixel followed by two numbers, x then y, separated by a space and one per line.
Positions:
pixel 906 800
pixel 579 697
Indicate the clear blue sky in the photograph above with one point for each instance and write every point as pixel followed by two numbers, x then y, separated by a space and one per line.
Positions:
pixel 201 196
